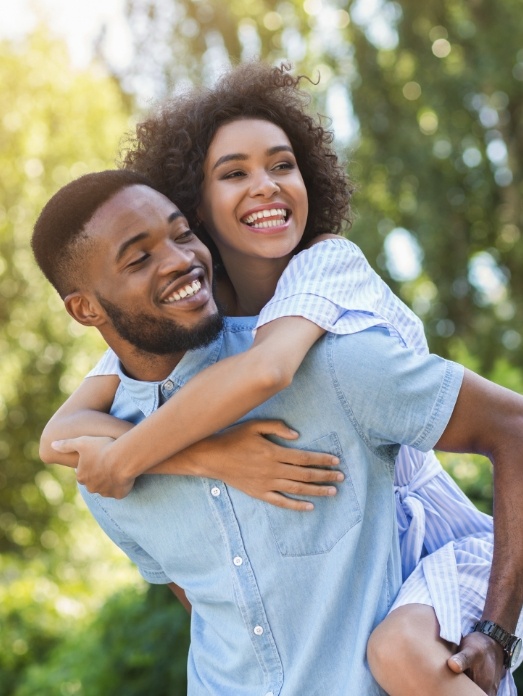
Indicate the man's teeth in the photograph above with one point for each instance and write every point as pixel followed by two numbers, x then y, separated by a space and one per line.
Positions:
pixel 187 291
pixel 258 219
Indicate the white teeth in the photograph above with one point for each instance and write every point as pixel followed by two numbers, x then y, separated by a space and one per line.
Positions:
pixel 269 223
pixel 272 212
pixel 187 291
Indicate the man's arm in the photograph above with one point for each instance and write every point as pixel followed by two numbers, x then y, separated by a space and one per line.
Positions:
pixel 425 401
pixel 488 419
pixel 181 596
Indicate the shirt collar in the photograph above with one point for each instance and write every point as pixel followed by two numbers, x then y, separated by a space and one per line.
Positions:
pixel 149 395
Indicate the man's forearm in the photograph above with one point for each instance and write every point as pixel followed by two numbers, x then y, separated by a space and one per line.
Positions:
pixel 505 592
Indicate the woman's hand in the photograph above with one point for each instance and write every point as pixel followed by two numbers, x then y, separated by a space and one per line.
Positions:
pixel 244 458
pixel 241 456
pixel 93 470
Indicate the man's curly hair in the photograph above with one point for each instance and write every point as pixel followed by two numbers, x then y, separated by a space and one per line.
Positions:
pixel 170 146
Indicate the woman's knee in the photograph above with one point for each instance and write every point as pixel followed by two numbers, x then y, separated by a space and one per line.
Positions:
pixel 399 639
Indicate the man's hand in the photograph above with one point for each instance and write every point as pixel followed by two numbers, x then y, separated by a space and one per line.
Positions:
pixel 92 470
pixel 244 458
pixel 481 658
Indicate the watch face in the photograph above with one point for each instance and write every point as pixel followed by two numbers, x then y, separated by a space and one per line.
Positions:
pixel 515 652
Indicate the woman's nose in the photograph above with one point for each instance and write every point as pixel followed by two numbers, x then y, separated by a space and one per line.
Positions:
pixel 264 185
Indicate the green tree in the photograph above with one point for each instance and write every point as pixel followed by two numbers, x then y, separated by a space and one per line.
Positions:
pixel 55 124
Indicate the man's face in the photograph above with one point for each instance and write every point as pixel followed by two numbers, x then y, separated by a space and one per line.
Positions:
pixel 151 274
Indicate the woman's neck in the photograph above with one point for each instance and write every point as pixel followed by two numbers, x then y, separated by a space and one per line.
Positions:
pixel 253 281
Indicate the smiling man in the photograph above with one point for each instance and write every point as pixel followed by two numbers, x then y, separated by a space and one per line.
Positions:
pixel 146 286
pixel 283 602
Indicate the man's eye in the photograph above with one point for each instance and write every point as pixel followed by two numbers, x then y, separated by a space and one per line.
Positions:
pixel 185 236
pixel 138 261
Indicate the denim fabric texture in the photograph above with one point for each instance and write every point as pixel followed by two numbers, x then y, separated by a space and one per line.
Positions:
pixel 283 601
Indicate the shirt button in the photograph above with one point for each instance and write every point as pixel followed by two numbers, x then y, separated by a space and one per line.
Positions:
pixel 169 385
pixel 237 561
pixel 258 630
pixel 215 491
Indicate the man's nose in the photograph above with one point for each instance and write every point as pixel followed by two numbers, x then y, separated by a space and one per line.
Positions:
pixel 263 184
pixel 176 258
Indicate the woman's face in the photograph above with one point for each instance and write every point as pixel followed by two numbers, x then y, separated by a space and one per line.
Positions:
pixel 254 201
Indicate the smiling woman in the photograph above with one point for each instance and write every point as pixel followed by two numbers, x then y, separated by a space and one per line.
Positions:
pixel 254 205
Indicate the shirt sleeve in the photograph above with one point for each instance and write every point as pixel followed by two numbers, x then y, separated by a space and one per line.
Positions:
pixel 392 395
pixel 148 568
pixel 333 285
pixel 107 365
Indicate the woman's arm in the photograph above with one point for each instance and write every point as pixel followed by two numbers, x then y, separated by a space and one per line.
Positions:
pixel 243 457
pixel 86 412
pixel 209 402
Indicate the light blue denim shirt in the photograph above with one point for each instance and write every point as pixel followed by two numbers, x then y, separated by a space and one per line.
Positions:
pixel 283 601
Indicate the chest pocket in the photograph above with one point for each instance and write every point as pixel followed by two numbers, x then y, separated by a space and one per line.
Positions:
pixel 318 531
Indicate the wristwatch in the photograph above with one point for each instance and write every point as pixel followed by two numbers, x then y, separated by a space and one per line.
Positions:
pixel 511 644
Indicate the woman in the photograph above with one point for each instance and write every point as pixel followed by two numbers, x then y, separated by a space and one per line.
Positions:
pixel 256 170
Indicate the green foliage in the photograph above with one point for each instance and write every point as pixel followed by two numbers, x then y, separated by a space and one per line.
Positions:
pixel 439 116
pixel 55 124
pixel 136 644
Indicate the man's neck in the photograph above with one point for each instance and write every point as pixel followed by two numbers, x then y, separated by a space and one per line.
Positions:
pixel 142 366
pixel 153 368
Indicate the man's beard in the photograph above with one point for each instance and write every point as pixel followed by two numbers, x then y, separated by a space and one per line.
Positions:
pixel 161 336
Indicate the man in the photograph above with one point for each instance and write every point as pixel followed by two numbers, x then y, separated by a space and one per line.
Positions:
pixel 255 574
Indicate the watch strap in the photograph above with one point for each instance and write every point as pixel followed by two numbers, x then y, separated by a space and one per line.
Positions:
pixel 496 632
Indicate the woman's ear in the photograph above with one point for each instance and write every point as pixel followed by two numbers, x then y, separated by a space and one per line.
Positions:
pixel 84 309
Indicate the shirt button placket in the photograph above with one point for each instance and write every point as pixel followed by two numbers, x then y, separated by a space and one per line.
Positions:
pixel 167 389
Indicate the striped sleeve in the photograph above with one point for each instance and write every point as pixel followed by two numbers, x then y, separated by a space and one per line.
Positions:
pixel 333 285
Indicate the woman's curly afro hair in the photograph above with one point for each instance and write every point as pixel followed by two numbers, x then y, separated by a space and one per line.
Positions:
pixel 170 146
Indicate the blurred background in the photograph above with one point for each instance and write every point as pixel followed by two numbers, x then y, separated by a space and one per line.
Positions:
pixel 426 100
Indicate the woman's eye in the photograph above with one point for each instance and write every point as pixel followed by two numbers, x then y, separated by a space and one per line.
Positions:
pixel 233 175
pixel 284 165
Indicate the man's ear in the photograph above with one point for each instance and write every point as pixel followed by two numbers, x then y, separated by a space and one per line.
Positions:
pixel 84 309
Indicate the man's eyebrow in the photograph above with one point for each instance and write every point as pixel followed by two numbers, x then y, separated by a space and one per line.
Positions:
pixel 174 216
pixel 129 242
pixel 143 235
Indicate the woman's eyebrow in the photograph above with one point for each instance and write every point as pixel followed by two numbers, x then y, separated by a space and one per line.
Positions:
pixel 280 148
pixel 239 156
pixel 228 158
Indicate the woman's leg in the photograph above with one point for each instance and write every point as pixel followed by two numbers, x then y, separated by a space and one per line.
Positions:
pixel 407 656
